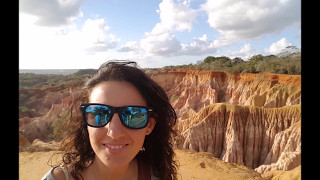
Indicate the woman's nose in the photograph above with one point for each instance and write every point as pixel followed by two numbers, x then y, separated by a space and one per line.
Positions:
pixel 115 128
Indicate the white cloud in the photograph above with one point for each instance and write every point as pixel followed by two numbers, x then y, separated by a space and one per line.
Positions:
pixel 164 44
pixel 235 20
pixel 250 19
pixel 161 41
pixel 278 47
pixel 245 53
pixel 51 12
pixel 94 35
pixel 177 16
pixel 174 16
pixel 48 32
pixel 199 46
pixel 61 46
pixel 133 51
pixel 130 46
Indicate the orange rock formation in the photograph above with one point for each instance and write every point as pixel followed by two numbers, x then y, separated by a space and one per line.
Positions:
pixel 248 119
pixel 246 135
pixel 196 89
pixel 39 127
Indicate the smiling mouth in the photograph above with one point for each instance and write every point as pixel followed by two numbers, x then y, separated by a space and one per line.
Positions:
pixel 115 147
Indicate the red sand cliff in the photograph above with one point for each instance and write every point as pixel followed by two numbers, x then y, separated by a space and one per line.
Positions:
pixel 248 119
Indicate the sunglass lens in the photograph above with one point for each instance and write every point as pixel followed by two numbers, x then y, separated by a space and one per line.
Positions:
pixel 135 117
pixel 97 115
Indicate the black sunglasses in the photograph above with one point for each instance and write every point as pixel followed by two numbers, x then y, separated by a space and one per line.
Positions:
pixel 98 115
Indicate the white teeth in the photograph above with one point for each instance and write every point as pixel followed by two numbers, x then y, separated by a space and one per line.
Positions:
pixel 115 147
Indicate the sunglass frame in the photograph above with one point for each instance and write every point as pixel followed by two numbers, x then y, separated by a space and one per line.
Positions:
pixel 114 110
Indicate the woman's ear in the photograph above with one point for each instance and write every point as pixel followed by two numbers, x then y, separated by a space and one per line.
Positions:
pixel 152 122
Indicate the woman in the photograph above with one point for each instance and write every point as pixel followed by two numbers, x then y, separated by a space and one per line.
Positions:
pixel 122 130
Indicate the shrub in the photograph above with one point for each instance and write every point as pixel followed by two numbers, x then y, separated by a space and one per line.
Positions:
pixel 56 127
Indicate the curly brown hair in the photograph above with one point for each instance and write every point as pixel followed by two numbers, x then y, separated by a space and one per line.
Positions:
pixel 158 145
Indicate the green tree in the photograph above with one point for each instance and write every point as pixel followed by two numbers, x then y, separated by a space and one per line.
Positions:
pixel 209 59
pixel 258 57
pixel 237 60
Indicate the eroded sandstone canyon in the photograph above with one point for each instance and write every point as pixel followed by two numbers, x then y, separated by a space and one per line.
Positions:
pixel 248 119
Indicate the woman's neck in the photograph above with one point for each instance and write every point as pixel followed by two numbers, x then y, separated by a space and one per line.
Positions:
pixel 98 171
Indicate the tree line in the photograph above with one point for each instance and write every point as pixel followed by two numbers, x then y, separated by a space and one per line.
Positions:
pixel 283 64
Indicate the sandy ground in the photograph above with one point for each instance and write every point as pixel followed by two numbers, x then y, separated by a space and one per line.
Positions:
pixel 204 166
pixel 192 165
pixel 33 165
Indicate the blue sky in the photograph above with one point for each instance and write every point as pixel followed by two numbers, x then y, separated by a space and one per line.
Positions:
pixel 79 34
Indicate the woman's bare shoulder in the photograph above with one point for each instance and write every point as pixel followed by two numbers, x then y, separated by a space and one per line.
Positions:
pixel 60 173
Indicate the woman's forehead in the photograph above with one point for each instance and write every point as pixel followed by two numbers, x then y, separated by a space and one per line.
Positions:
pixel 116 93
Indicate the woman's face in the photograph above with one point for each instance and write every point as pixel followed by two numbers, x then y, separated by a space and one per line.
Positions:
pixel 114 144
